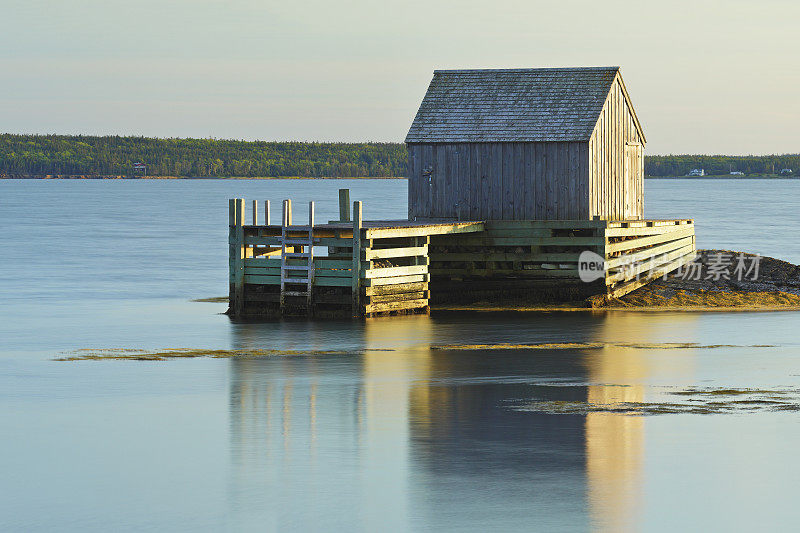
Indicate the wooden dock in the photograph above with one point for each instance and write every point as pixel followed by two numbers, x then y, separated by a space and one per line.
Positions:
pixel 385 267
pixel 541 258
pixel 371 267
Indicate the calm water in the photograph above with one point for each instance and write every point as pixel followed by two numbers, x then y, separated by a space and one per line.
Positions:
pixel 398 437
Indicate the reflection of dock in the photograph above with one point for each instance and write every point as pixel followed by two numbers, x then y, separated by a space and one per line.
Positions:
pixel 615 444
pixel 415 435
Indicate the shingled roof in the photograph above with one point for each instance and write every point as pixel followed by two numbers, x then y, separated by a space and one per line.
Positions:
pixel 512 105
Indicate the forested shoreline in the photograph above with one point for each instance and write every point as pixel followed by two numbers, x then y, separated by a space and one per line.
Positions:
pixel 107 156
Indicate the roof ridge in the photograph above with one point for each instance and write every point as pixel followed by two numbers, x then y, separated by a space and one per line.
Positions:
pixel 531 69
pixel 519 105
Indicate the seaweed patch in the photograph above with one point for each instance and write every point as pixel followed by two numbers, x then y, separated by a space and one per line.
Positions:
pixel 132 354
pixel 706 401
pixel 593 346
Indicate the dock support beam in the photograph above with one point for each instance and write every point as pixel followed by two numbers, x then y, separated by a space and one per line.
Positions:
pixel 356 259
pixel 344 205
pixel 310 261
pixel 236 252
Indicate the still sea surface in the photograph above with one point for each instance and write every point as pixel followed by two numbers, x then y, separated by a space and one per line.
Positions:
pixel 392 435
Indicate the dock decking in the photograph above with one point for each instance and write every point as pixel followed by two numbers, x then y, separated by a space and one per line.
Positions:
pixel 397 266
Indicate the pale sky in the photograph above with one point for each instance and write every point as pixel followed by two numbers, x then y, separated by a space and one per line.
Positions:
pixel 704 76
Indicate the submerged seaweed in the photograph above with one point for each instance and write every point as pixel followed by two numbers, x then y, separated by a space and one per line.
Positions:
pixel 592 346
pixel 700 401
pixel 131 354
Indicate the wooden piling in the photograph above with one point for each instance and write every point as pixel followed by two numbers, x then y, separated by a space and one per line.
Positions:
pixel 231 253
pixel 255 212
pixel 356 269
pixel 310 263
pixel 344 205
pixel 267 217
pixel 239 254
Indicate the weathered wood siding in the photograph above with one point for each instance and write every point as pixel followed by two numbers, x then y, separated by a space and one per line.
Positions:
pixel 499 181
pixel 616 161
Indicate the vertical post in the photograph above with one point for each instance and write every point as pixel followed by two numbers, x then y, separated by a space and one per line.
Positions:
pixel 284 249
pixel 287 221
pixel 267 217
pixel 344 205
pixel 232 255
pixel 424 259
pixel 309 302
pixel 255 212
pixel 239 258
pixel 357 259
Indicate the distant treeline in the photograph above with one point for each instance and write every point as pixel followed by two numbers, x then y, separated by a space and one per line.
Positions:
pixel 680 165
pixel 84 155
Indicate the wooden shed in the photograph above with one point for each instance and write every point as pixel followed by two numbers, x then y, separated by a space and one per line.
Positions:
pixel 526 144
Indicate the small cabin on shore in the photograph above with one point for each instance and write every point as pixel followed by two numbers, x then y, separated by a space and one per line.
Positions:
pixel 526 144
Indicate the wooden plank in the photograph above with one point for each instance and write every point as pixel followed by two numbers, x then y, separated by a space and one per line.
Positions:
pixel 396 306
pixel 509 156
pixel 398 280
pixel 519 181
pixel 511 273
pixel 644 230
pixel 638 269
pixel 356 264
pixel 528 181
pixel 421 231
pixel 565 201
pixel 319 281
pixel 255 279
pixel 631 223
pixel 507 233
pixel 273 241
pixel 510 256
pixel 649 241
pixel 387 253
pixel 412 180
pixel 390 272
pixel 328 273
pixel 398 288
pixel 466 184
pixel 399 297
pixel 649 252
pixel 263 271
pixel 625 288
pixel 541 224
pixel 539 185
pixel 529 241
pixel 551 172
pixel 452 180
pixel 319 262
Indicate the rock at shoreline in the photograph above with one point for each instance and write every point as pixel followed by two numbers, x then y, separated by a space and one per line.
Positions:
pixel 720 279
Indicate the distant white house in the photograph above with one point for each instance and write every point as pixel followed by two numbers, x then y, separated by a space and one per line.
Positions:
pixel 697 172
pixel 785 171
pixel 737 173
